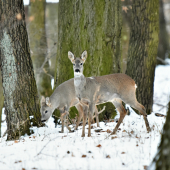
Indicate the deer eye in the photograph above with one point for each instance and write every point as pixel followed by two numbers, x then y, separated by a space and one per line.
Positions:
pixel 73 64
pixel 46 111
pixel 81 64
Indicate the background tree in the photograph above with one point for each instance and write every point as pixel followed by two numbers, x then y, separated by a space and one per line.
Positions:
pixel 19 86
pixel 38 46
pixel 161 160
pixel 1 101
pixel 143 47
pixel 163 47
pixel 91 25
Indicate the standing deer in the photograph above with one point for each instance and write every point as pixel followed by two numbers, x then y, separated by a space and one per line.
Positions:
pixel 113 88
pixel 63 98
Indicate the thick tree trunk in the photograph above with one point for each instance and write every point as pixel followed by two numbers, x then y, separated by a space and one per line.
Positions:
pixel 163 47
pixel 19 86
pixel 143 47
pixel 161 160
pixel 91 25
pixel 1 101
pixel 38 46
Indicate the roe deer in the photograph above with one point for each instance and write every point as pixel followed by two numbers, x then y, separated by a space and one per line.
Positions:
pixel 63 98
pixel 113 88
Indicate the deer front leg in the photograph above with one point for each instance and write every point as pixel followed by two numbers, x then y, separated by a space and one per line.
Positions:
pixel 62 122
pixel 81 112
pixel 91 111
pixel 85 109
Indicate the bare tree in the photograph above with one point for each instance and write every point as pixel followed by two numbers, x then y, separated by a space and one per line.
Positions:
pixel 19 86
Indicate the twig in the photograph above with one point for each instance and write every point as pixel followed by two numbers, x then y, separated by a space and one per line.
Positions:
pixel 162 61
pixel 46 145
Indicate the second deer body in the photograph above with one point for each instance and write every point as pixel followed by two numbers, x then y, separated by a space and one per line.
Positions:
pixel 113 88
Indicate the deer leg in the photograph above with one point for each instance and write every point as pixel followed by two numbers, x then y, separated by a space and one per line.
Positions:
pixel 80 111
pixel 66 123
pixel 85 109
pixel 62 122
pixel 142 110
pixel 91 111
pixel 118 104
pixel 97 117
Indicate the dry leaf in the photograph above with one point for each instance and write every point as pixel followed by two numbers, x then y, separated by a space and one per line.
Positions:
pixel 109 131
pixel 30 137
pixel 113 137
pixel 72 155
pixel 145 166
pixel 34 137
pixel 83 156
pixel 107 156
pixel 123 153
pixel 124 131
pixel 23 168
pixel 16 141
pixel 99 146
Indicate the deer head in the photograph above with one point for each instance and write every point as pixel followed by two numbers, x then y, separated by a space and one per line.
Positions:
pixel 78 62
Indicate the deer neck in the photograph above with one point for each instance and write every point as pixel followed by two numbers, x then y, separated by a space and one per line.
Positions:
pixel 79 80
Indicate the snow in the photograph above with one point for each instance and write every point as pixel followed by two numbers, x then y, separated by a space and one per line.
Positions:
pixel 131 148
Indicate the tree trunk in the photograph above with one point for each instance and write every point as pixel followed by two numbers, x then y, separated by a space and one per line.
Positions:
pixel 161 160
pixel 163 47
pixel 38 46
pixel 1 101
pixel 143 47
pixel 51 33
pixel 91 25
pixel 19 86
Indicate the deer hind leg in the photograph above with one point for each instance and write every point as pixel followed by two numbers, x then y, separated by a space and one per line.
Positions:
pixel 97 117
pixel 142 110
pixel 80 111
pixel 118 104
pixel 85 110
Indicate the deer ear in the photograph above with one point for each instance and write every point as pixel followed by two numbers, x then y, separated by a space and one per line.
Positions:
pixel 71 56
pixel 84 55
pixel 47 100
pixel 42 100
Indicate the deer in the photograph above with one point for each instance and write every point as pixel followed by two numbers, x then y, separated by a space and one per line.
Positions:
pixel 63 98
pixel 114 88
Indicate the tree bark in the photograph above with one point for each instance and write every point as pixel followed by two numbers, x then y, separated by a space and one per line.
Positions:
pixel 1 101
pixel 161 160
pixel 163 47
pixel 19 86
pixel 38 46
pixel 91 25
pixel 143 47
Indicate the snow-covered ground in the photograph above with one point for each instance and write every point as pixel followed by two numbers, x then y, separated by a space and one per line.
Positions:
pixel 131 149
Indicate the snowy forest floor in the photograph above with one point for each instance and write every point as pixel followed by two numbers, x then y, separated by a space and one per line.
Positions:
pixel 131 149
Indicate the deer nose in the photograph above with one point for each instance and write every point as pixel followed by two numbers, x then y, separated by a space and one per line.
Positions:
pixel 77 70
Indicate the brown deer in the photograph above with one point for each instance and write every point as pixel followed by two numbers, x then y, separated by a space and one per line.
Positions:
pixel 63 98
pixel 114 88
